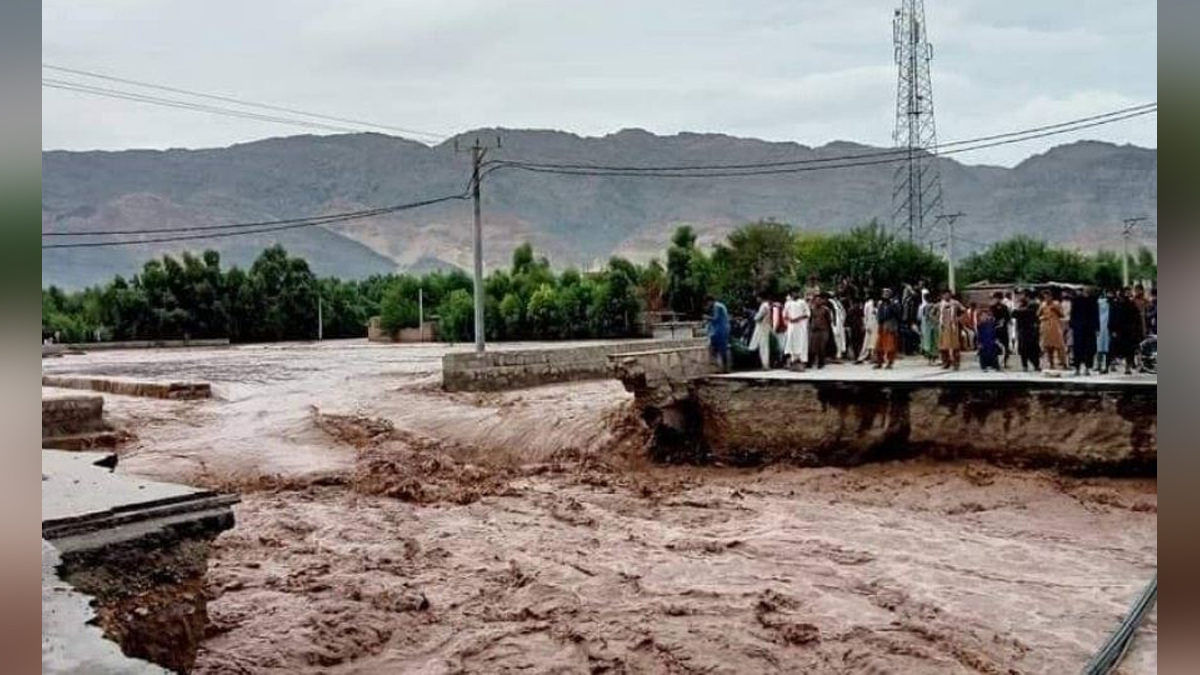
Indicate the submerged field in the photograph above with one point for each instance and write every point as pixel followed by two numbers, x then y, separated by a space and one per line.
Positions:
pixel 386 526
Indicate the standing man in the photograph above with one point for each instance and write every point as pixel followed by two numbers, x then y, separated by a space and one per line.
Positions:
pixel 925 322
pixel 1141 304
pixel 1011 303
pixel 761 339
pixel 1103 334
pixel 839 327
pixel 718 332
pixel 908 334
pixel 1126 323
pixel 1025 316
pixel 1002 315
pixel 887 318
pixel 795 343
pixel 1152 312
pixel 950 313
pixel 1050 318
pixel 988 342
pixel 820 328
pixel 870 330
pixel 1084 322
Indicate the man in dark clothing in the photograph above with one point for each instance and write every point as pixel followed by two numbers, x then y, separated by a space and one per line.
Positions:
pixel 1002 318
pixel 1084 322
pixel 820 329
pixel 854 325
pixel 1125 322
pixel 1152 312
pixel 1025 317
pixel 909 328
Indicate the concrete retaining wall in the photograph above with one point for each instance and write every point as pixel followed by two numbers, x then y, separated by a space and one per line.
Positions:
pixel 131 344
pixel 1076 426
pixel 499 370
pixel 426 333
pixel 68 415
pixel 172 390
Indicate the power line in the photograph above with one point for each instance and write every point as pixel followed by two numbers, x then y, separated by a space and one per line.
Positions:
pixel 895 154
pixel 827 163
pixel 185 105
pixel 230 226
pixel 242 102
pixel 247 228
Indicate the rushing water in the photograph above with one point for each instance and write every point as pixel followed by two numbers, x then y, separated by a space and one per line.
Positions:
pixel 389 527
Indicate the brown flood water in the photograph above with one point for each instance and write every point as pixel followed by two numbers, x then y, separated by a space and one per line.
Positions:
pixel 389 527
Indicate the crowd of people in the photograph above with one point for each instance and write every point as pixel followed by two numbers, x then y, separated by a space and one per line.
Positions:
pixel 1054 329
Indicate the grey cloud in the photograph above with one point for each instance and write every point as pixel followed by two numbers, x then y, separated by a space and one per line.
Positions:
pixel 812 71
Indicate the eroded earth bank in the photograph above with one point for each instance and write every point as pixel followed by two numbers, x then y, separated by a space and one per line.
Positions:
pixel 386 526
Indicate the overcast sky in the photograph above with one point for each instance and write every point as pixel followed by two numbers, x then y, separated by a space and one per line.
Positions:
pixel 810 71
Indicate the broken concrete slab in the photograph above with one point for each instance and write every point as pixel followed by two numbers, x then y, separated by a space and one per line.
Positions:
pixel 138 547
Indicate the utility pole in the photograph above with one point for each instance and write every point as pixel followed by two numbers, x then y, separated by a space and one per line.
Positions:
pixel 421 312
pixel 950 219
pixel 1126 233
pixel 478 152
pixel 320 321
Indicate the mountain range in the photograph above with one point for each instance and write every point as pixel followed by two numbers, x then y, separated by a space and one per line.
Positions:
pixel 1074 194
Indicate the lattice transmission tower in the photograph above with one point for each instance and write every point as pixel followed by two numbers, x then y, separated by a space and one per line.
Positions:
pixel 917 191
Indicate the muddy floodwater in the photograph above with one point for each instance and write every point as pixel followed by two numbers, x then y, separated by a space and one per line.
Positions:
pixel 386 526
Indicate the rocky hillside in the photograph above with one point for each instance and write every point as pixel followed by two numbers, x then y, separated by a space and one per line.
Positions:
pixel 1073 194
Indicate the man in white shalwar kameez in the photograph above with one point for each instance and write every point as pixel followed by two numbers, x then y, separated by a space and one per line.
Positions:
pixel 795 343
pixel 761 338
pixel 870 331
pixel 839 327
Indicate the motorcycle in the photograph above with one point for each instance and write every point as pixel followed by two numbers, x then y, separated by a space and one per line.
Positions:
pixel 1148 351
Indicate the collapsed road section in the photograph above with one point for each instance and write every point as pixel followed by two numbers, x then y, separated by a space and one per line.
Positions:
pixel 847 416
pixel 138 548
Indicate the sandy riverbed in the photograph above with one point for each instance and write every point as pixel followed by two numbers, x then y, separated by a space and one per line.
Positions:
pixel 389 527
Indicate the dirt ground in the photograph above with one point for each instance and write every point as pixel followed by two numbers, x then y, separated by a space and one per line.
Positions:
pixel 386 526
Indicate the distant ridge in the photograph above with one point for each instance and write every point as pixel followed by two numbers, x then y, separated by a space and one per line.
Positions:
pixel 1073 194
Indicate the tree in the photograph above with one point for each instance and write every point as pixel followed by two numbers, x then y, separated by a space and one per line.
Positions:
pixel 512 313
pixel 687 279
pixel 615 307
pixel 652 285
pixel 399 308
pixel 575 295
pixel 456 317
pixel 867 258
pixel 542 313
pixel 1026 260
pixel 757 258
pixel 284 290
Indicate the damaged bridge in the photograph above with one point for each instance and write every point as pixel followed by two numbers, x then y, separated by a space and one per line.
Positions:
pixel 846 415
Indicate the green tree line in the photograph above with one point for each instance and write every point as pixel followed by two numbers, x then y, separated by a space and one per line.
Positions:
pixel 276 297
pixel 1026 260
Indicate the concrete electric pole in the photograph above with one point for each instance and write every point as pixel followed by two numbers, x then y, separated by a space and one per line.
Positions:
pixel 320 321
pixel 1126 233
pixel 950 219
pixel 478 152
